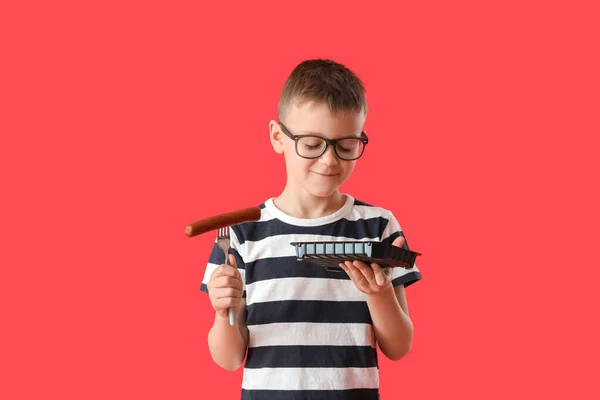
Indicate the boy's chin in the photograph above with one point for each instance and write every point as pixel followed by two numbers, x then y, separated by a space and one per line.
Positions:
pixel 323 192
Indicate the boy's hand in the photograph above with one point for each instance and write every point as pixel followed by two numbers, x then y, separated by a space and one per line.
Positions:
pixel 225 287
pixel 371 280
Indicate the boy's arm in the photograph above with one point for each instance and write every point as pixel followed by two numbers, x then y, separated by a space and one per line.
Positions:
pixel 393 327
pixel 391 322
pixel 228 344
pixel 387 304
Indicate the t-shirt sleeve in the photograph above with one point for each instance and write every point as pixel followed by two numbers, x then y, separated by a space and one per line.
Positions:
pixel 217 257
pixel 400 276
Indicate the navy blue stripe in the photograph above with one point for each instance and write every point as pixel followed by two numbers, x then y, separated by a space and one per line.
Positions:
pixel 351 394
pixel 360 229
pixel 311 357
pixel 407 279
pixel 308 311
pixel 360 203
pixel 286 267
pixel 217 256
pixel 204 288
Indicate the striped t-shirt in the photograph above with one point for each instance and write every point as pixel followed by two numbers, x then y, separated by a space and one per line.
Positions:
pixel 310 331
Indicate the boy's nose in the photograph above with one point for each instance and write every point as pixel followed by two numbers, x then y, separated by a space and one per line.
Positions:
pixel 329 157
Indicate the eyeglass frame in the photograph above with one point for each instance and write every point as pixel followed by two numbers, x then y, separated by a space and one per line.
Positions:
pixel 333 142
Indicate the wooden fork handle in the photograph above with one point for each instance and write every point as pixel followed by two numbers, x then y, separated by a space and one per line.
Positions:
pixel 222 220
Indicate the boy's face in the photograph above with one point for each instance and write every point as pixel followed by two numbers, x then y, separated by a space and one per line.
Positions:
pixel 321 176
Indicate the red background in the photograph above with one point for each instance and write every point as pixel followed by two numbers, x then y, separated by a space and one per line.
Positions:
pixel 122 122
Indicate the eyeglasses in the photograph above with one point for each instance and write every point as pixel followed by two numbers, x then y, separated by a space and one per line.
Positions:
pixel 311 146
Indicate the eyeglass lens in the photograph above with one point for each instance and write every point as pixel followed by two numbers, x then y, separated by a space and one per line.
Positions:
pixel 347 149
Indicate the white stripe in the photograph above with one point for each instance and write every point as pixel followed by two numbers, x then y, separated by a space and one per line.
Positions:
pixel 357 212
pixel 279 246
pixel 398 272
pixel 311 334
pixel 366 212
pixel 210 268
pixel 310 378
pixel 303 289
pixel 265 216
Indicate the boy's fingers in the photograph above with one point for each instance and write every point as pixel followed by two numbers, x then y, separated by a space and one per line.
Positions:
pixel 226 281
pixel 225 270
pixel 345 267
pixel 366 272
pixel 224 303
pixel 398 242
pixel 378 272
pixel 232 261
pixel 358 278
pixel 230 292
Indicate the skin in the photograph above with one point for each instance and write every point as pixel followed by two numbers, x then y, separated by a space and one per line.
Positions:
pixel 312 191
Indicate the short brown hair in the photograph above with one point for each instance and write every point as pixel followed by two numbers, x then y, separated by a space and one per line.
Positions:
pixel 326 82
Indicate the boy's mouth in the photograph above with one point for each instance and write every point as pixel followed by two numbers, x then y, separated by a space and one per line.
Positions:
pixel 322 174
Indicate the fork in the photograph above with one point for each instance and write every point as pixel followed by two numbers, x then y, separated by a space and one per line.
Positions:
pixel 223 241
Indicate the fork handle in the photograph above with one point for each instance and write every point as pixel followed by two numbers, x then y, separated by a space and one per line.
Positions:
pixel 230 310
pixel 231 314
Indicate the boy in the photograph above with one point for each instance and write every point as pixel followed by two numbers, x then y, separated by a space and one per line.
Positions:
pixel 306 332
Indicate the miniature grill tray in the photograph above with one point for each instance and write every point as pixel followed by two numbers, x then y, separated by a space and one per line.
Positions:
pixel 330 254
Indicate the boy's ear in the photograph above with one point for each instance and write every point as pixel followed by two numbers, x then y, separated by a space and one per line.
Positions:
pixel 276 136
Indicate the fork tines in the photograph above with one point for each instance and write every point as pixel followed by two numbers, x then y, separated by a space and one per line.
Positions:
pixel 223 232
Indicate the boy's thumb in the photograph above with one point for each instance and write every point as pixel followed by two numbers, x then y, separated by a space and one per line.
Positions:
pixel 232 260
pixel 398 242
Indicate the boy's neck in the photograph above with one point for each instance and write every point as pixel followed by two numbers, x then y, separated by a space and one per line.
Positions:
pixel 305 205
